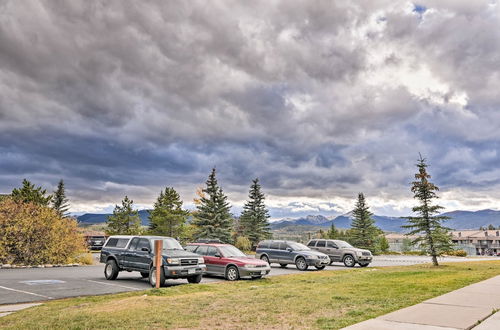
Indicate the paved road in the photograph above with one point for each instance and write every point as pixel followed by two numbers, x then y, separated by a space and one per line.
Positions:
pixel 38 284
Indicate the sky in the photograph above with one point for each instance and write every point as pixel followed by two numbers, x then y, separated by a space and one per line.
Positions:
pixel 320 100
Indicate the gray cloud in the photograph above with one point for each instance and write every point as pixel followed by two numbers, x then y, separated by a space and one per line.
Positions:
pixel 320 100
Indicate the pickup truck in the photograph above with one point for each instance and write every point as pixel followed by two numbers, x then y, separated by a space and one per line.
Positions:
pixel 135 253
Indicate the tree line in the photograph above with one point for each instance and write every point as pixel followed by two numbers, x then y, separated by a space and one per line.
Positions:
pixel 212 218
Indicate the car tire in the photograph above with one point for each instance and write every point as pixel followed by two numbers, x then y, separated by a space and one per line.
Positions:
pixel 195 279
pixel 111 270
pixel 232 273
pixel 144 274
pixel 320 267
pixel 265 258
pixel 349 261
pixel 331 262
pixel 256 277
pixel 363 265
pixel 301 263
pixel 152 277
pixel 283 265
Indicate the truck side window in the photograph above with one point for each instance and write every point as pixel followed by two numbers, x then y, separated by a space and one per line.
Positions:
pixel 321 244
pixel 312 243
pixel 212 251
pixel 133 244
pixel 275 245
pixel 143 243
pixel 331 245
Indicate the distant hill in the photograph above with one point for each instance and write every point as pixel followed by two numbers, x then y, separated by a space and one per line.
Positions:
pixel 459 220
pixel 91 218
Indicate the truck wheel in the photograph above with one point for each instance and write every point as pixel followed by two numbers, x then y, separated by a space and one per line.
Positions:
pixel 111 270
pixel 283 265
pixel 152 277
pixel 301 264
pixel 265 258
pixel 232 273
pixel 320 267
pixel 194 279
pixel 144 275
pixel 363 265
pixel 349 261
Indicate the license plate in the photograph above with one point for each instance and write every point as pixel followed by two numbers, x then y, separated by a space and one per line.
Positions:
pixel 191 271
pixel 263 272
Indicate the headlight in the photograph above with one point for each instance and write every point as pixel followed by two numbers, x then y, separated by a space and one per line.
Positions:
pixel 201 260
pixel 173 261
pixel 250 266
pixel 313 257
pixel 359 253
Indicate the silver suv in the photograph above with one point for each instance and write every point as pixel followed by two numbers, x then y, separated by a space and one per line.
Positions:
pixel 340 251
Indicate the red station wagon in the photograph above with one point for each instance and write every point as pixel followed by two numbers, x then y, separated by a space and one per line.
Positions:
pixel 228 261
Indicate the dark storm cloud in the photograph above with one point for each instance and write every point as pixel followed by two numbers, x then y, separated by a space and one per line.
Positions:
pixel 320 100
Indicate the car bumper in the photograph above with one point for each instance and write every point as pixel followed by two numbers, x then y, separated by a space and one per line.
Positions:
pixel 184 271
pixel 254 271
pixel 364 259
pixel 317 262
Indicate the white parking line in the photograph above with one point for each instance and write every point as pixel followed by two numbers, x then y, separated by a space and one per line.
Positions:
pixel 26 292
pixel 122 286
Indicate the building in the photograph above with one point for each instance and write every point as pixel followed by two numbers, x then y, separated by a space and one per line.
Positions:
pixel 485 242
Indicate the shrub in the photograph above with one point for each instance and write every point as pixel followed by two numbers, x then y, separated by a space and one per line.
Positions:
pixel 243 243
pixel 457 253
pixel 33 234
pixel 84 259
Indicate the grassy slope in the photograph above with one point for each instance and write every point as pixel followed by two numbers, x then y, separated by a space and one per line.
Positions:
pixel 327 299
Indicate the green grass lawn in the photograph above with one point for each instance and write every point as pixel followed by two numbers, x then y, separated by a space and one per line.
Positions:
pixel 326 299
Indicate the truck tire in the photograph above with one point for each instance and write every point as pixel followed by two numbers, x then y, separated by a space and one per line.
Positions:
pixel 265 258
pixel 320 267
pixel 301 263
pixel 283 265
pixel 349 260
pixel 364 265
pixel 111 270
pixel 194 279
pixel 152 277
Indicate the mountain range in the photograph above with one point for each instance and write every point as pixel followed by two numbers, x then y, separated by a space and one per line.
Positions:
pixel 459 220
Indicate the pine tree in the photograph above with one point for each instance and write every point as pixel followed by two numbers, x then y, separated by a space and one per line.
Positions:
pixel 383 244
pixel 433 237
pixel 125 220
pixel 254 218
pixel 212 217
pixel 59 200
pixel 29 194
pixel 332 233
pixel 167 217
pixel 364 232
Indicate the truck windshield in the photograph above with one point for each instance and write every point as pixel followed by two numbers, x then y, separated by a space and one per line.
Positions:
pixel 171 244
pixel 298 246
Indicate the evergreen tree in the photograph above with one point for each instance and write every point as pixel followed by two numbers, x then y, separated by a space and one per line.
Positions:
pixel 167 217
pixel 383 244
pixel 491 227
pixel 212 217
pixel 363 230
pixel 434 238
pixel 28 193
pixel 254 218
pixel 333 232
pixel 125 220
pixel 59 200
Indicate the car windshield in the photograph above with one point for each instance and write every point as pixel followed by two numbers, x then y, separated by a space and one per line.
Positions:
pixel 171 244
pixel 343 244
pixel 231 251
pixel 298 246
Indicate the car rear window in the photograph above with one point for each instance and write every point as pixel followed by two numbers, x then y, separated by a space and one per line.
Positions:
pixel 321 244
pixel 117 242
pixel 202 250
pixel 263 245
pixel 191 248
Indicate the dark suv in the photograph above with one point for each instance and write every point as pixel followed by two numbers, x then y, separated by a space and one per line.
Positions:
pixel 341 251
pixel 289 252
pixel 135 253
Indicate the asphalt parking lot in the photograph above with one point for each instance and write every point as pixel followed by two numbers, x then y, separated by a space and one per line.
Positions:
pixel 39 284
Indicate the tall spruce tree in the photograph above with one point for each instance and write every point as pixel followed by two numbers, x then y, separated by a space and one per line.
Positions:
pixel 212 217
pixel 59 200
pixel 29 194
pixel 167 217
pixel 333 232
pixel 364 232
pixel 254 218
pixel 125 220
pixel 433 237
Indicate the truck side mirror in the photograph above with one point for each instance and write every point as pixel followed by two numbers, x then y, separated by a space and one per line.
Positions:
pixel 289 249
pixel 145 249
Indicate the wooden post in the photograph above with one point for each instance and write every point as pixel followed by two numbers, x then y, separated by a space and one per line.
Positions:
pixel 158 261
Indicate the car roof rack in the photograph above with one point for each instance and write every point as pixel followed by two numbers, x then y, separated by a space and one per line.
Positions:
pixel 208 240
